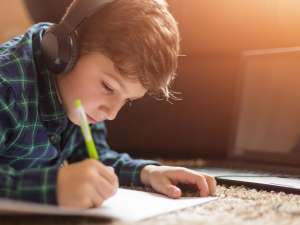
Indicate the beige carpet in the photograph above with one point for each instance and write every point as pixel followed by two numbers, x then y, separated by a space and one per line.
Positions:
pixel 238 205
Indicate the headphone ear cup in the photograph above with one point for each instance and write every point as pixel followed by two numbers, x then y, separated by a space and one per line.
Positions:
pixel 73 53
pixel 50 49
pixel 59 49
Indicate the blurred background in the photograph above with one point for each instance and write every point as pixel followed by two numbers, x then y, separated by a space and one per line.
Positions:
pixel 214 33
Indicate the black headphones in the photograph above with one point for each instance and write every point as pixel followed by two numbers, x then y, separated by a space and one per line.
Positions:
pixel 59 43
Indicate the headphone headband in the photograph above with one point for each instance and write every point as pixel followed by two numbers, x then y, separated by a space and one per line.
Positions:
pixel 82 9
pixel 59 43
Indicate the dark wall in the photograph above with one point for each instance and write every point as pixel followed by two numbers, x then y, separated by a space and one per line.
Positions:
pixel 198 125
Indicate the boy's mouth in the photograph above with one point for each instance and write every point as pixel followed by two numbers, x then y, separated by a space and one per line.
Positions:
pixel 91 119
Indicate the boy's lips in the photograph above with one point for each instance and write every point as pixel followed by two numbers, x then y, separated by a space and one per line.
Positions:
pixel 91 119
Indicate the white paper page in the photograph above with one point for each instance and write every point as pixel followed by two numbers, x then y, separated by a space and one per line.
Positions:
pixel 125 205
pixel 130 205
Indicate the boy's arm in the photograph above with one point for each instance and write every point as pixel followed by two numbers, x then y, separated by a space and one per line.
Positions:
pixel 127 169
pixel 36 185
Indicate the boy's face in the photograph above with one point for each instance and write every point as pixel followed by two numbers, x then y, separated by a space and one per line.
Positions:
pixel 101 89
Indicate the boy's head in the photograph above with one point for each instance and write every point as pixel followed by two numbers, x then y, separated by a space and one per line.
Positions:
pixel 137 39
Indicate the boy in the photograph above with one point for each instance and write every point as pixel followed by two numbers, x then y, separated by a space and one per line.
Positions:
pixel 126 49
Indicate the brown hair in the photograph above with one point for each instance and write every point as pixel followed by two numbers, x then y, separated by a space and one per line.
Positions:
pixel 141 37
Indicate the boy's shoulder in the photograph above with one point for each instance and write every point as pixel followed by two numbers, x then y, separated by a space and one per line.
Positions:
pixel 18 58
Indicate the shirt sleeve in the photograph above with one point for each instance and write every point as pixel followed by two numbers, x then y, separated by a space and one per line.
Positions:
pixel 36 185
pixel 127 169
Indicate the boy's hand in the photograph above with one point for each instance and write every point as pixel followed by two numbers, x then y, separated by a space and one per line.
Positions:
pixel 165 178
pixel 85 184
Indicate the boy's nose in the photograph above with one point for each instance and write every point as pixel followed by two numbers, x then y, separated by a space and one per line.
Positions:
pixel 112 115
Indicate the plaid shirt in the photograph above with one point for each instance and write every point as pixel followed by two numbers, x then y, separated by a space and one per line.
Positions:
pixel 36 136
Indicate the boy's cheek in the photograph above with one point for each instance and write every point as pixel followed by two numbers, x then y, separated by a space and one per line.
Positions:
pixel 73 117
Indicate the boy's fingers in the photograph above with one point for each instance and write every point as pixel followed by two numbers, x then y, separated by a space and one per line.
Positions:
pixel 107 172
pixel 172 191
pixel 191 177
pixel 97 199
pixel 115 180
pixel 202 185
pixel 212 184
pixel 167 188
pixel 111 169
pixel 104 188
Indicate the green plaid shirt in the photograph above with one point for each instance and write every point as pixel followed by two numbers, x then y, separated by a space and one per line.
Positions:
pixel 36 136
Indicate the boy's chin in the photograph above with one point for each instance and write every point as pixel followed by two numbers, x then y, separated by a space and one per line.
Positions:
pixel 73 120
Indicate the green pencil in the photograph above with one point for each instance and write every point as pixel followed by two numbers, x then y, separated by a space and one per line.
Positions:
pixel 86 131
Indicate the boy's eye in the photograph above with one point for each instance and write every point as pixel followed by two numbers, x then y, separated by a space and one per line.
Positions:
pixel 107 88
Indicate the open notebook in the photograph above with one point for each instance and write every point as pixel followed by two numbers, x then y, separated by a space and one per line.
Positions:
pixel 125 205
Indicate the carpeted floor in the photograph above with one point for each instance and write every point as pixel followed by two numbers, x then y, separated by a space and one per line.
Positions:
pixel 238 205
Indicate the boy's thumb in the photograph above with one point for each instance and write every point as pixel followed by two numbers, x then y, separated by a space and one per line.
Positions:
pixel 171 190
pixel 110 168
